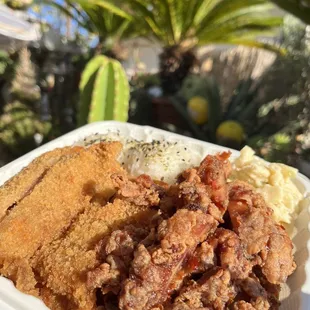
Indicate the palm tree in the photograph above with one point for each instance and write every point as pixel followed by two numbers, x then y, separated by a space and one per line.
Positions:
pixel 181 26
pixel 300 9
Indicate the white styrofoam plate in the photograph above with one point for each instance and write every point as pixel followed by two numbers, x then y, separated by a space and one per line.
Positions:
pixel 298 289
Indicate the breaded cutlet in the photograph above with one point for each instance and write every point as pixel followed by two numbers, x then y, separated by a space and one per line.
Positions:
pixel 62 265
pixel 47 212
pixel 22 184
pixel 53 301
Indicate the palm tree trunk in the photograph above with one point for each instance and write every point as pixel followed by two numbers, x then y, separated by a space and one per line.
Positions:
pixel 175 64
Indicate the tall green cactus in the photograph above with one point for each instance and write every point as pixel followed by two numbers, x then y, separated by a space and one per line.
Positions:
pixel 104 91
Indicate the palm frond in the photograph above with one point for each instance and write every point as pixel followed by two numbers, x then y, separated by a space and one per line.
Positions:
pixel 149 18
pixel 258 25
pixel 226 8
pixel 171 17
pixel 204 21
pixel 255 43
pixel 107 5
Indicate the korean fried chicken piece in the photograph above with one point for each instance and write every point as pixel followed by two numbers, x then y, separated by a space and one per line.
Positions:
pixel 260 295
pixel 234 265
pixel 65 191
pixel 231 253
pixel 195 195
pixel 259 304
pixel 200 197
pixel 141 191
pixel 252 287
pixel 204 188
pixel 63 265
pixel 243 305
pixel 202 259
pixel 223 248
pixel 214 171
pixel 252 221
pixel 151 278
pixel 116 253
pixel 210 292
pixel 22 184
pixel 273 290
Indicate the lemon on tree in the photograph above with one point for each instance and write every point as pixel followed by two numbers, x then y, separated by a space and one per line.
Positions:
pixel 230 130
pixel 198 109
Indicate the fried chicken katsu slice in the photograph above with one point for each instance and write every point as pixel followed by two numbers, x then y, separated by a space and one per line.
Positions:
pixel 22 184
pixel 54 301
pixel 65 191
pixel 252 221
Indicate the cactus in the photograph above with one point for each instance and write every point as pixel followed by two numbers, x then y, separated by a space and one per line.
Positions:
pixel 104 91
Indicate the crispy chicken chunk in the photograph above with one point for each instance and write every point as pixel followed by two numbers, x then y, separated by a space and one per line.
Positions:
pixel 201 198
pixel 116 252
pixel 141 191
pixel 231 253
pixel 204 188
pixel 252 221
pixel 152 274
pixel 210 292
pixel 258 304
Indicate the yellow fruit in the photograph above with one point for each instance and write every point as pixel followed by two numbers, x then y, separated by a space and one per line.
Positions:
pixel 230 130
pixel 198 109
